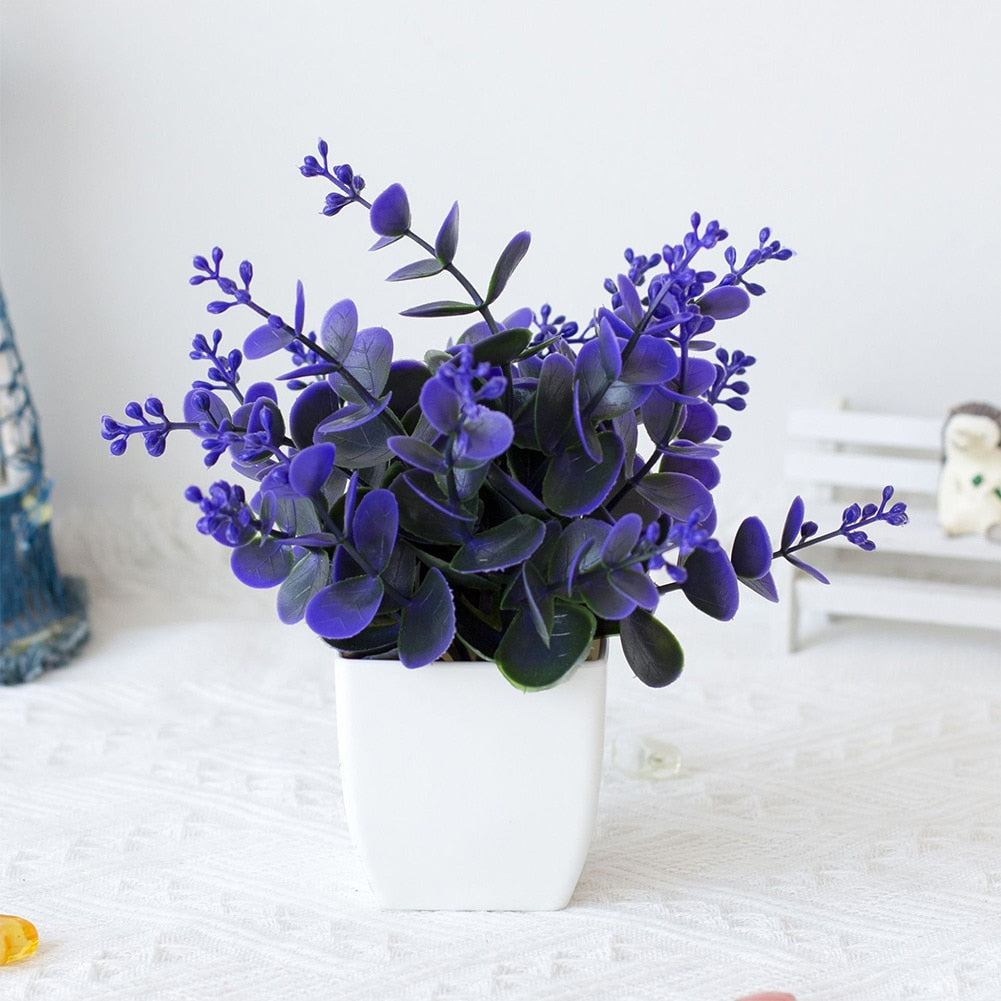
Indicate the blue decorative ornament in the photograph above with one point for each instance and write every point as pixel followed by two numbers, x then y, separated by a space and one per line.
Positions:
pixel 43 618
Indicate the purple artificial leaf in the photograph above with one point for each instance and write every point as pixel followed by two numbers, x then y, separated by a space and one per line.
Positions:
pixel 553 401
pixel 374 527
pixel 636 586
pixel 441 307
pixel 429 519
pixel 651 649
pixel 344 608
pixel 676 494
pixel 658 414
pixel 575 484
pixel 764 586
pixel 306 371
pixel 622 539
pixel 300 307
pixel 265 340
pixel 448 236
pixel 309 469
pixel 514 492
pixel 509 259
pixel 314 405
pixel 260 390
pixel 609 352
pixel 369 361
pixel 590 371
pixel 488 434
pixel 418 454
pixel 359 437
pixel 618 399
pixel 441 405
pixel 692 463
pixel 711 584
pixel 751 554
pixel 700 423
pixel 724 302
pixel 606 601
pixel 390 212
pixel 512 541
pixel 352 416
pixel 339 327
pixel 419 269
pixel 406 379
pixel 793 523
pixel 618 326
pixel 585 432
pixel 261 564
pixel 308 577
pixel 631 305
pixel 579 546
pixel 807 569
pixel 425 487
pixel 427 623
pixel 699 376
pixel 651 362
pixel 522 317
pixel 317 540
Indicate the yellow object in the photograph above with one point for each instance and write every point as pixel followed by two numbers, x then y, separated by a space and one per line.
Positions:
pixel 18 939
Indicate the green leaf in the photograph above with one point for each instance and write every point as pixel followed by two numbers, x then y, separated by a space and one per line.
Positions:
pixel 500 348
pixel 448 236
pixel 338 329
pixel 651 649
pixel 530 593
pixel 529 664
pixel 363 446
pixel 309 576
pixel 441 307
pixel 427 625
pixel 509 259
pixel 554 401
pixel 575 484
pixel 369 362
pixel 513 541
pixel 419 269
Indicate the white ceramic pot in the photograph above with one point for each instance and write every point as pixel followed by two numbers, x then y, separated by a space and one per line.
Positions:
pixel 463 793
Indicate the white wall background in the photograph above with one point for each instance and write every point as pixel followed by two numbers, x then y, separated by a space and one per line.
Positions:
pixel 137 133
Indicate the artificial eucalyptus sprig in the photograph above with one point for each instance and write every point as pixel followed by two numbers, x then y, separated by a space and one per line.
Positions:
pixel 527 487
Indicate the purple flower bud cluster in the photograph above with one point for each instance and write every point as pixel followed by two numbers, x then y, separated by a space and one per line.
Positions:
pixel 767 250
pixel 226 516
pixel 207 271
pixel 350 184
pixel 223 372
pixel 550 326
pixel 154 432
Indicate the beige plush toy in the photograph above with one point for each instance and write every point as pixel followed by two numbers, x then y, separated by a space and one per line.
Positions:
pixel 969 489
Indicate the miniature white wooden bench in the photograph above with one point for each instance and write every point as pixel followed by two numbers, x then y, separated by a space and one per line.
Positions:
pixel 917 573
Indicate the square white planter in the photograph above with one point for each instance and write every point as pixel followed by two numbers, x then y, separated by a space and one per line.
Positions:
pixel 464 793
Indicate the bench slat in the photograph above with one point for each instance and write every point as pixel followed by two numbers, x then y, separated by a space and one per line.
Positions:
pixel 846 469
pixel 863 428
pixel 904 600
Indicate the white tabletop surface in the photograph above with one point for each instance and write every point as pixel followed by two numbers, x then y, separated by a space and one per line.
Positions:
pixel 171 822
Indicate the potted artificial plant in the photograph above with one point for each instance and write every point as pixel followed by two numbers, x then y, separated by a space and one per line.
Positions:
pixel 477 524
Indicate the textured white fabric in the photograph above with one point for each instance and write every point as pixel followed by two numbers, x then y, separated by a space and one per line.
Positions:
pixel 171 821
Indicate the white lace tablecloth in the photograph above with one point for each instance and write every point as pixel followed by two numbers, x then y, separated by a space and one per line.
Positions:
pixel 171 822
